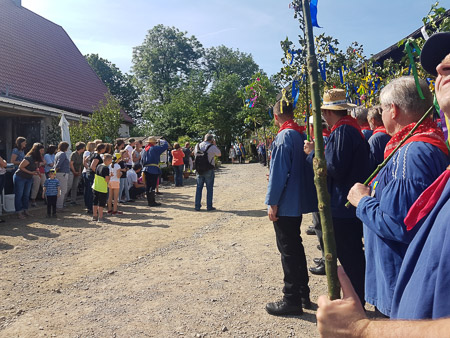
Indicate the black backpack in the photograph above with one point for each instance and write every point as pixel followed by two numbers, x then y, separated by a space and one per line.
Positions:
pixel 201 162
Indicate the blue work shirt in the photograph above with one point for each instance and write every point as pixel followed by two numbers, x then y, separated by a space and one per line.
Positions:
pixel 409 172
pixel 151 157
pixel 347 157
pixel 291 181
pixel 377 144
pixel 424 278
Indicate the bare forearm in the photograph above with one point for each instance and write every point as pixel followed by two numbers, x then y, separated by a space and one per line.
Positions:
pixel 406 328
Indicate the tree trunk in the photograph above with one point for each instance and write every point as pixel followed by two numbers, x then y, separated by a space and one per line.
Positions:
pixel 319 163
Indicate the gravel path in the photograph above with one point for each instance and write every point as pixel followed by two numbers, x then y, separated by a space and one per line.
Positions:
pixel 153 272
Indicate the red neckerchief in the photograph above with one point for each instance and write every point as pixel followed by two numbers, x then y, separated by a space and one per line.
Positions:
pixel 427 132
pixel 291 124
pixel 326 132
pixel 380 129
pixel 427 200
pixel 148 146
pixel 348 120
pixel 365 127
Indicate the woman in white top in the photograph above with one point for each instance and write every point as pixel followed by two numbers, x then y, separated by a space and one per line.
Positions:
pixel 114 186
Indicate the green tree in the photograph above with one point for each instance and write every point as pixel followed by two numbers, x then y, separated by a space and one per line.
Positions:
pixel 120 85
pixel 104 124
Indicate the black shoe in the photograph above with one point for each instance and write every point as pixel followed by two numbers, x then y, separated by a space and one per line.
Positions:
pixel 211 209
pixel 283 308
pixel 158 193
pixel 318 270
pixel 311 230
pixel 306 303
pixel 154 204
pixel 318 260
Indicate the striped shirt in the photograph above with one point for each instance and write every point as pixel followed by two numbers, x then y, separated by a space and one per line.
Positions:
pixel 52 187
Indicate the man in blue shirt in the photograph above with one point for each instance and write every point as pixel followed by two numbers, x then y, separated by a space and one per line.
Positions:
pixel 290 194
pixel 150 160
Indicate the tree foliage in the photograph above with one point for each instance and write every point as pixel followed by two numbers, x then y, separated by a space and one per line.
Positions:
pixel 120 85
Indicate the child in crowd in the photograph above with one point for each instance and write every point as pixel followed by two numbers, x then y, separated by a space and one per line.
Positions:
pixel 114 185
pixel 100 188
pixel 51 190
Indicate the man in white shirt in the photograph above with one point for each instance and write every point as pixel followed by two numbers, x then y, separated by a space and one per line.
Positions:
pixel 136 188
pixel 129 148
pixel 208 145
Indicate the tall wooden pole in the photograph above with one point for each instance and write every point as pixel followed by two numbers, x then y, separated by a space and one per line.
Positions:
pixel 319 163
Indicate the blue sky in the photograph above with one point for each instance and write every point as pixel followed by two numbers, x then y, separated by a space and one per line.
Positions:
pixel 111 28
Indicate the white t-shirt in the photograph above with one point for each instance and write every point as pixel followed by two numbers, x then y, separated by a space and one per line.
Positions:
pixel 129 149
pixel 131 177
pixel 85 154
pixel 114 169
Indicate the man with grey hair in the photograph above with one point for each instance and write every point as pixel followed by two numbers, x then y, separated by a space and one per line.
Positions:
pixel 360 114
pixel 207 147
pixel 382 207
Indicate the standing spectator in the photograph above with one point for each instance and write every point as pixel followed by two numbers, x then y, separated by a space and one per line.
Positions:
pixel 232 154
pixel 379 138
pixel 137 152
pixel 3 165
pixel 360 113
pixel 49 158
pixel 76 167
pixel 242 150
pixel 187 154
pixel 150 161
pixel 136 188
pixel 129 148
pixel 62 166
pixel 38 180
pixel 87 188
pixel 262 153
pixel 123 189
pixel 94 160
pixel 177 164
pixel 23 179
pixel 209 147
pixel 238 153
pixel 51 191
pixel 347 157
pixel 113 188
pixel 288 187
pixel 100 188
pixel 18 153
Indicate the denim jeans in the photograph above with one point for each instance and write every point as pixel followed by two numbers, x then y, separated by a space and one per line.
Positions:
pixel 124 188
pixel 88 196
pixel 178 173
pixel 22 191
pixel 208 178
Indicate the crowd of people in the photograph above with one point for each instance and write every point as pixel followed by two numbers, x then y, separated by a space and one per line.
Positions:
pixel 110 174
pixel 403 215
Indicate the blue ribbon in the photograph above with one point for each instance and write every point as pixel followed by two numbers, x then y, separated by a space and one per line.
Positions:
pixel 270 113
pixel 331 49
pixel 341 77
pixel 293 52
pixel 323 70
pixel 313 11
pixel 295 92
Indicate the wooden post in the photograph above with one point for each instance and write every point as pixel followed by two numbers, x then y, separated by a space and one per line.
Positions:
pixel 319 163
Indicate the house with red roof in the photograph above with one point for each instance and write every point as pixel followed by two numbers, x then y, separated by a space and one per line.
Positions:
pixel 42 75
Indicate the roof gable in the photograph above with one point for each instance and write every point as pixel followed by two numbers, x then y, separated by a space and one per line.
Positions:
pixel 39 62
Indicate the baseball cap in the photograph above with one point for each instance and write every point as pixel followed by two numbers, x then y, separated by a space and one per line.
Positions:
pixel 436 48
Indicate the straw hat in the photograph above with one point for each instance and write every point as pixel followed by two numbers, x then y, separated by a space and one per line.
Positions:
pixel 335 99
pixel 152 139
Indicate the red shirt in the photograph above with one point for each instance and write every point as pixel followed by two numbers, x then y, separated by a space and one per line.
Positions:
pixel 177 158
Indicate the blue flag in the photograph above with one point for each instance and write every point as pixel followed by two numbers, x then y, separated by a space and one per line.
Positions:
pixel 313 11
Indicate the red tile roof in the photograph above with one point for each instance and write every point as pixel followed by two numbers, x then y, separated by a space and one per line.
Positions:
pixel 40 63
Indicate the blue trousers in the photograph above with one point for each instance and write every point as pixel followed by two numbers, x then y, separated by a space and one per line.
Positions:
pixel 208 178
pixel 178 173
pixel 22 191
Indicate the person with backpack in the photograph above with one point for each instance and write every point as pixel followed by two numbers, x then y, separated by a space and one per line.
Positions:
pixel 151 171
pixel 205 153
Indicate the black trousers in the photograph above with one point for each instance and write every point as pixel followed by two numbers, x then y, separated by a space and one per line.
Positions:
pixel 150 182
pixel 348 233
pixel 318 228
pixel 51 204
pixel 293 260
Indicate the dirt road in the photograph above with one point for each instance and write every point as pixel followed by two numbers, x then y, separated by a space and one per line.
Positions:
pixel 153 272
